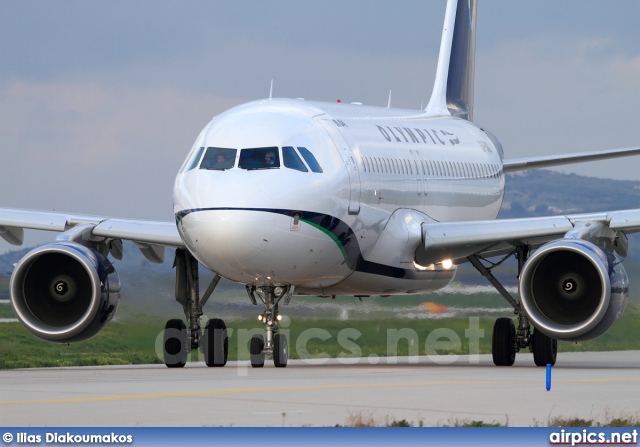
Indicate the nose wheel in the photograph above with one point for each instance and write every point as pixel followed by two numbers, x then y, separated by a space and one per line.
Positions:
pixel 280 351
pixel 272 343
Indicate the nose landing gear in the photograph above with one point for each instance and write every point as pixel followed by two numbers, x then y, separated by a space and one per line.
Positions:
pixel 272 343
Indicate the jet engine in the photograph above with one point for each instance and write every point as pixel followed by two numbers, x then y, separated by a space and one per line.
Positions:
pixel 64 292
pixel 573 290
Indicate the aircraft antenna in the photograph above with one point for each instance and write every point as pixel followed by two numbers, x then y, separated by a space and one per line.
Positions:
pixel 389 102
pixel 271 91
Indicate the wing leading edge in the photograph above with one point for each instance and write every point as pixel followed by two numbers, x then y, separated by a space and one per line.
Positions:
pixel 458 240
pixel 149 236
pixel 522 164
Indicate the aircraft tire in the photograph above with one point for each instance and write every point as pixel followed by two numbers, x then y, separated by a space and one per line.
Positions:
pixel 280 351
pixel 216 343
pixel 502 342
pixel 545 349
pixel 256 351
pixel 174 344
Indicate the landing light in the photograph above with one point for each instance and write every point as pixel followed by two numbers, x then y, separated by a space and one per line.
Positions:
pixel 279 317
pixel 447 264
pixel 260 317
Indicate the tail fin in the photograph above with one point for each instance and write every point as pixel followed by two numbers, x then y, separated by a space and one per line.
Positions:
pixel 453 88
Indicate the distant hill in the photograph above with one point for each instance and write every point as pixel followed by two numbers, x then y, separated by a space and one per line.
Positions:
pixel 542 192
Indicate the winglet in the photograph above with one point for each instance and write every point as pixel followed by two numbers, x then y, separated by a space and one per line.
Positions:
pixel 453 88
pixel 271 91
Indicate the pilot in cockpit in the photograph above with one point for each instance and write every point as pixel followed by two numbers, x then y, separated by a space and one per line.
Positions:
pixel 269 158
pixel 221 162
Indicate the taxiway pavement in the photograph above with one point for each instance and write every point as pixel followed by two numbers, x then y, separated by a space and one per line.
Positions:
pixel 325 393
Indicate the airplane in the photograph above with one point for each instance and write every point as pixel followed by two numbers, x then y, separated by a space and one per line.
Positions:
pixel 292 197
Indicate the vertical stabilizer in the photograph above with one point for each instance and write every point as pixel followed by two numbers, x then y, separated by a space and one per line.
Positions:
pixel 453 88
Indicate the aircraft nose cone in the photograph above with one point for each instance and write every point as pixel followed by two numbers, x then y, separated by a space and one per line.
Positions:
pixel 239 235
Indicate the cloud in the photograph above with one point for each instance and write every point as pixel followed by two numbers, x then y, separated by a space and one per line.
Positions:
pixel 87 147
pixel 542 95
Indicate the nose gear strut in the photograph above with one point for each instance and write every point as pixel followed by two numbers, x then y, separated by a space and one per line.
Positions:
pixel 272 343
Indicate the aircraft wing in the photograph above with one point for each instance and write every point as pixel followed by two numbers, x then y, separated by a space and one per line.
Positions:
pixel 458 240
pixel 522 164
pixel 149 236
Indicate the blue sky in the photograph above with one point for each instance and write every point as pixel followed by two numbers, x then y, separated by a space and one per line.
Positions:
pixel 101 100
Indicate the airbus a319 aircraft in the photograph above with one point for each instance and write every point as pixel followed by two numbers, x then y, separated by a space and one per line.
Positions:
pixel 292 197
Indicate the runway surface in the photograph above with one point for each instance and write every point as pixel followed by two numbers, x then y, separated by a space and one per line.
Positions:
pixel 586 385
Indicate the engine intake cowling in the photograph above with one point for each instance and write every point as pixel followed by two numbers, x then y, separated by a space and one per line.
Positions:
pixel 64 292
pixel 573 290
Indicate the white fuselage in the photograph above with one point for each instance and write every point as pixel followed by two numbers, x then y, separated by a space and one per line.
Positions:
pixel 347 229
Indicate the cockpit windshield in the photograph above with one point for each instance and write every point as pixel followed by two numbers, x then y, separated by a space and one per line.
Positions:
pixel 310 159
pixel 259 158
pixel 218 158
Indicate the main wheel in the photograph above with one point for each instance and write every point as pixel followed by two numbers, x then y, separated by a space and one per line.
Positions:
pixel 174 344
pixel 503 342
pixel 256 351
pixel 545 349
pixel 216 343
pixel 280 351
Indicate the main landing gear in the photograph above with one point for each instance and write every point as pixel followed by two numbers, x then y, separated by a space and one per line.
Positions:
pixel 272 343
pixel 507 340
pixel 178 339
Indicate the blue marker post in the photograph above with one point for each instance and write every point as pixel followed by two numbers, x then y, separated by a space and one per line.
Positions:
pixel 548 376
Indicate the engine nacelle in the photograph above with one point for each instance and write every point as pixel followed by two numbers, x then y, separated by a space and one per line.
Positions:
pixel 64 292
pixel 573 290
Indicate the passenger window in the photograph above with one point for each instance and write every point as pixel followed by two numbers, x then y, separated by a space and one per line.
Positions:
pixel 218 158
pixel 310 159
pixel 195 160
pixel 291 159
pixel 259 158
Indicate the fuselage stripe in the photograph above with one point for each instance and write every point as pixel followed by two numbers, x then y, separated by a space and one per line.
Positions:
pixel 339 231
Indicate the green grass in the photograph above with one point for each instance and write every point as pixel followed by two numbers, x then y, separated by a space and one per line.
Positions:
pixel 133 340
pixel 117 344
pixel 6 311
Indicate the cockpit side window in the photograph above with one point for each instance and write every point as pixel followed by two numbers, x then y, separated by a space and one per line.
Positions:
pixel 310 159
pixel 195 160
pixel 218 158
pixel 259 158
pixel 292 160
